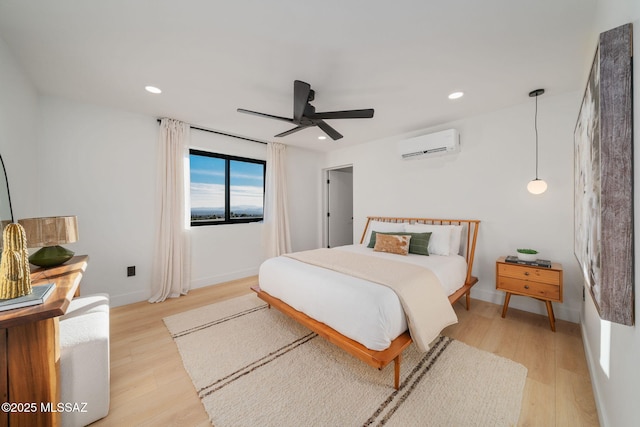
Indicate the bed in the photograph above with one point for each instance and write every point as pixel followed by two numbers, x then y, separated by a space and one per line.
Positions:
pixel 357 311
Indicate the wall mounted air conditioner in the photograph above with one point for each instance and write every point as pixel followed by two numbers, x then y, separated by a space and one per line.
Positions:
pixel 439 143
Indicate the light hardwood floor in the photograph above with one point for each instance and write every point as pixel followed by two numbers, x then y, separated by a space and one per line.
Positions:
pixel 149 386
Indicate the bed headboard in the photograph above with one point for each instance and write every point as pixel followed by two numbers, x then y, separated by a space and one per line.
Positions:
pixel 469 229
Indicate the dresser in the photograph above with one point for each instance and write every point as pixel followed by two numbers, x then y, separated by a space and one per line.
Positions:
pixel 544 284
pixel 30 350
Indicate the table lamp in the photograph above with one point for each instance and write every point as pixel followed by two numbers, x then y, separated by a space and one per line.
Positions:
pixel 48 234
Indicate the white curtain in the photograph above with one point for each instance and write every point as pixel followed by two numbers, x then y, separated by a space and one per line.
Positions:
pixel 276 217
pixel 172 262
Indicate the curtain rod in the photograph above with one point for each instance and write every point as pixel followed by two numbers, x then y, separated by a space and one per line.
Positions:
pixel 223 133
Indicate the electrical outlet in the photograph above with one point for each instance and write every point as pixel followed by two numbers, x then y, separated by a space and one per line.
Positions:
pixel 131 271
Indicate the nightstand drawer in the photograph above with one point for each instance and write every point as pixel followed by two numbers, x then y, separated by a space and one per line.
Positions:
pixel 530 288
pixel 518 271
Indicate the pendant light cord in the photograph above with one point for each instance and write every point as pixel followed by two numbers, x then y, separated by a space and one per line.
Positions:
pixel 535 125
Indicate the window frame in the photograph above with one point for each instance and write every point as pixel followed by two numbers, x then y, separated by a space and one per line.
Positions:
pixel 227 188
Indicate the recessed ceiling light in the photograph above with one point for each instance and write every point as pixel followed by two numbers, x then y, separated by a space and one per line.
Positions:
pixel 152 89
pixel 456 95
pixel 322 137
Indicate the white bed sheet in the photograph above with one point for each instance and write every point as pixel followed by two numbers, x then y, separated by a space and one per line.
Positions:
pixel 364 311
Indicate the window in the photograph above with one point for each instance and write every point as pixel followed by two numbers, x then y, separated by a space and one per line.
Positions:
pixel 225 189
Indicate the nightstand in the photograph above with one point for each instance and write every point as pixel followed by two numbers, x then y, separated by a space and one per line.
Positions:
pixel 544 284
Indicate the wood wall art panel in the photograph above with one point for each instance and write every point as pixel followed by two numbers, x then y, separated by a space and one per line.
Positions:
pixel 603 174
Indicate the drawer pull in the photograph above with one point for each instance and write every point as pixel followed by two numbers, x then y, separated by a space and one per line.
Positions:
pixel 526 273
pixel 526 286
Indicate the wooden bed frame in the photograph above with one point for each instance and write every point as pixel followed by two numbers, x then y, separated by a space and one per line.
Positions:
pixel 380 359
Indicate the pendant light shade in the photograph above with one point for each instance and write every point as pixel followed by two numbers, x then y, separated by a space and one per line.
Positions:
pixel 536 185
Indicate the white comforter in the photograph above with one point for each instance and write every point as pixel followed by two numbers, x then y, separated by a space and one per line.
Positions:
pixel 361 310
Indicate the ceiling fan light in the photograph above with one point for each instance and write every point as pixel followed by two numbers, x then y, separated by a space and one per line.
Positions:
pixel 537 186
pixel 456 95
pixel 152 89
pixel 322 137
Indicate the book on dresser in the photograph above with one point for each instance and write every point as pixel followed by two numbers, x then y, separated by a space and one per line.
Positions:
pixel 38 295
pixel 537 263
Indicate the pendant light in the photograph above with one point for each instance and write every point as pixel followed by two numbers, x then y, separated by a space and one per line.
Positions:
pixel 537 185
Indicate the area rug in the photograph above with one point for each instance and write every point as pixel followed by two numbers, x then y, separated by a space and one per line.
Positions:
pixel 253 366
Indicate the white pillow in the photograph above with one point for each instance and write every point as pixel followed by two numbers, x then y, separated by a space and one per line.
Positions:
pixel 440 240
pixel 382 227
pixel 456 234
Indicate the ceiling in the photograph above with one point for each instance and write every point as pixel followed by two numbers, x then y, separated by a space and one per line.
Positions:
pixel 210 57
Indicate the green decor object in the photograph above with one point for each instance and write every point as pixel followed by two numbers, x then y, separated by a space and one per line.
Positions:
pixel 50 256
pixel 528 251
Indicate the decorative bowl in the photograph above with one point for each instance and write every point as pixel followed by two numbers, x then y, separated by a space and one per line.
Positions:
pixel 527 254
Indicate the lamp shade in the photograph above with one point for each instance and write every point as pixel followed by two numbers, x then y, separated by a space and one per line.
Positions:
pixel 537 186
pixel 50 231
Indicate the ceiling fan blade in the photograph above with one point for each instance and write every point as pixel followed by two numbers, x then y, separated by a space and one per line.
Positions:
pixel 301 92
pixel 334 134
pixel 268 116
pixel 290 131
pixel 348 114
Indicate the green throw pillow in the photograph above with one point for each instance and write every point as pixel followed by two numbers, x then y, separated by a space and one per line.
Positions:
pixel 419 243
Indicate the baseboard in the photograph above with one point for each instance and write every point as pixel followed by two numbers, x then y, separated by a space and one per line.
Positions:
pixel 133 297
pixel 214 280
pixel 130 298
pixel 561 311
pixel 591 362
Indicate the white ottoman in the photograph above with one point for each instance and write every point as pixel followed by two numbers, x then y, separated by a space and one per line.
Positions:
pixel 84 360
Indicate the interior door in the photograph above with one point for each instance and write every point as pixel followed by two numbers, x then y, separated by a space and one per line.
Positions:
pixel 340 207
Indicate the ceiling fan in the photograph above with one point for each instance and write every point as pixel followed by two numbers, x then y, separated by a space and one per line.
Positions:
pixel 304 114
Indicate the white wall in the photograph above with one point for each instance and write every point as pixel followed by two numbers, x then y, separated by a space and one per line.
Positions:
pixel 100 164
pixel 487 181
pixel 613 350
pixel 304 186
pixel 19 120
